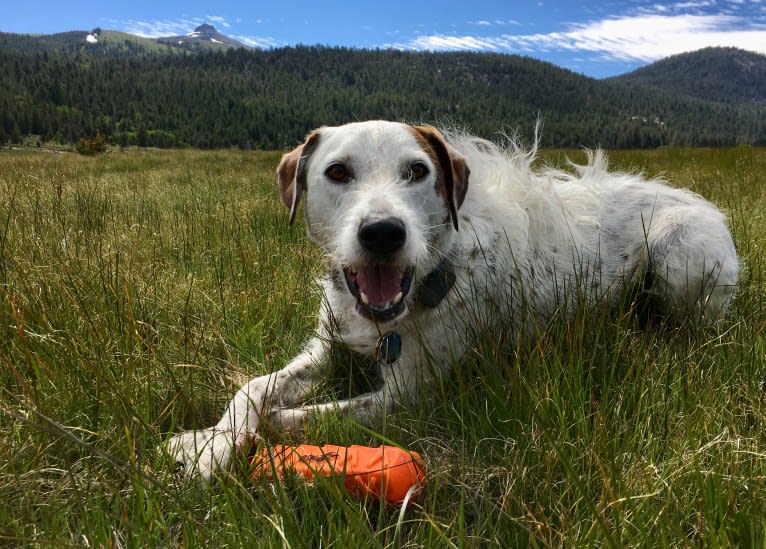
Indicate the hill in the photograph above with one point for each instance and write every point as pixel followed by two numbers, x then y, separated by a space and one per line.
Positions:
pixel 148 93
pixel 726 75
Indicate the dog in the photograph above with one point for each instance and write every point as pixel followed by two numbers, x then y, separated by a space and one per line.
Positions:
pixel 431 238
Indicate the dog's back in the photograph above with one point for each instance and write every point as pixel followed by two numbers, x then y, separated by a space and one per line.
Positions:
pixel 607 232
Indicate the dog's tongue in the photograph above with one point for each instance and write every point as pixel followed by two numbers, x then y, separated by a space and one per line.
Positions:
pixel 380 283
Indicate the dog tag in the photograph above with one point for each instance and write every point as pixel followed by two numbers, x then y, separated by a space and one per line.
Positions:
pixel 389 348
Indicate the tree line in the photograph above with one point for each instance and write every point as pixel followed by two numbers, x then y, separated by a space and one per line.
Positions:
pixel 269 99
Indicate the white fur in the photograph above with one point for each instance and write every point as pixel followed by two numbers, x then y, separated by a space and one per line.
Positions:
pixel 528 243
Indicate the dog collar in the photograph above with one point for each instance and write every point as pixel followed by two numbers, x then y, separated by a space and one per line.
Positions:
pixel 436 285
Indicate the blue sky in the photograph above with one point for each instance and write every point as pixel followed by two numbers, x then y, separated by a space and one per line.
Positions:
pixel 595 38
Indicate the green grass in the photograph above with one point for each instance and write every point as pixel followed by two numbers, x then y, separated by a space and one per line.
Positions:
pixel 138 289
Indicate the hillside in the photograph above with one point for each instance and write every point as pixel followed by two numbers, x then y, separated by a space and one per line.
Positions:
pixel 726 75
pixel 142 92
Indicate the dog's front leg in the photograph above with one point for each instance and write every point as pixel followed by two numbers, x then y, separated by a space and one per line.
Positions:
pixel 400 385
pixel 205 451
pixel 365 408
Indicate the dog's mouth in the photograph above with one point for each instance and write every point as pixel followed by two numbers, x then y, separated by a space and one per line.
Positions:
pixel 379 289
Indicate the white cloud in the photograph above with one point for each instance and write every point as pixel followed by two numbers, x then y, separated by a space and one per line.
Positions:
pixel 157 29
pixel 693 5
pixel 217 20
pixel 258 41
pixel 177 27
pixel 651 37
pixel 493 23
pixel 446 43
pixel 645 37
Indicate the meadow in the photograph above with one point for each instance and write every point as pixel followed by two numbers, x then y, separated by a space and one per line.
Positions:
pixel 139 288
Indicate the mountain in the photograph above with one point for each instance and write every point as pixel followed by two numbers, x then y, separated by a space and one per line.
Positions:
pixel 725 75
pixel 115 43
pixel 203 36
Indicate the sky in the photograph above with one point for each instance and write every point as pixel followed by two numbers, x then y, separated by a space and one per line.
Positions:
pixel 597 38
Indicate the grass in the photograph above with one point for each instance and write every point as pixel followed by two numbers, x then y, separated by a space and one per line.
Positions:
pixel 139 288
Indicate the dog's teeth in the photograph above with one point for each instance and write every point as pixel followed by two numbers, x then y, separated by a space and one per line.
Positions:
pixel 363 297
pixel 398 297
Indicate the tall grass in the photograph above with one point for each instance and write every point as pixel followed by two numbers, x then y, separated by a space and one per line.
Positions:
pixel 138 289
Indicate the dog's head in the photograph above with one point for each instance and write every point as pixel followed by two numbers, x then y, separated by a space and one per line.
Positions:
pixel 382 202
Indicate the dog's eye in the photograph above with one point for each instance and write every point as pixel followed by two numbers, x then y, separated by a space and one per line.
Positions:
pixel 417 171
pixel 338 173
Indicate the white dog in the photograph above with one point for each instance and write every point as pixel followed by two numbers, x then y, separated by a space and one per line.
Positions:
pixel 420 261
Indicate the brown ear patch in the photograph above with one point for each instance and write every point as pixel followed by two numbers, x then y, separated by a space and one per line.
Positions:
pixel 286 171
pixel 291 173
pixel 452 179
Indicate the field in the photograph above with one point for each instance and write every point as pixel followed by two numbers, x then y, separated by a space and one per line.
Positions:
pixel 139 288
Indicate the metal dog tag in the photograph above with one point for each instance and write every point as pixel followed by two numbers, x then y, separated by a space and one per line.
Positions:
pixel 389 348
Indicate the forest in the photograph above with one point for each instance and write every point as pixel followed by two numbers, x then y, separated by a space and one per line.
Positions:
pixel 727 75
pixel 269 99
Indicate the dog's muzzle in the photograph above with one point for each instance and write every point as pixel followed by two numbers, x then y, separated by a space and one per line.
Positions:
pixel 381 284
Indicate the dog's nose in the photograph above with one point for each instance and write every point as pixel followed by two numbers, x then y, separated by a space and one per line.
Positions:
pixel 382 237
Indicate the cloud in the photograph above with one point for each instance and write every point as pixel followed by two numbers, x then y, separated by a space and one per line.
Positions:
pixel 177 27
pixel 217 20
pixel 493 23
pixel 157 29
pixel 643 37
pixel 259 41
pixel 651 37
pixel 437 42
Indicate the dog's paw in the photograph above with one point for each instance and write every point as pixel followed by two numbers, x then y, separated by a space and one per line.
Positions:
pixel 202 453
pixel 290 419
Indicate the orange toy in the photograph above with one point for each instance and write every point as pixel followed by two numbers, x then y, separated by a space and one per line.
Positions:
pixel 385 472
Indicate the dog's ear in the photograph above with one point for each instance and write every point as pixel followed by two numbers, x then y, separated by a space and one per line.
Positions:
pixel 454 181
pixel 291 173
